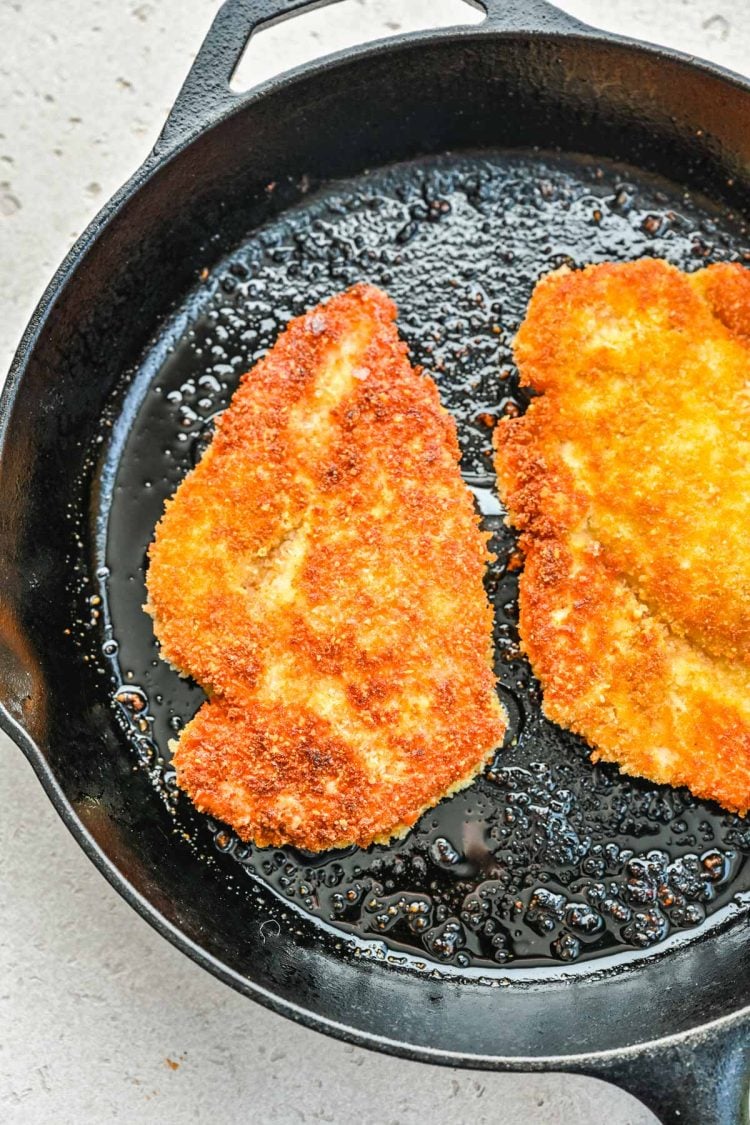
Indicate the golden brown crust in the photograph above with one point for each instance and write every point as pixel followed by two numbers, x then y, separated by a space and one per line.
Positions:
pixel 629 478
pixel 320 573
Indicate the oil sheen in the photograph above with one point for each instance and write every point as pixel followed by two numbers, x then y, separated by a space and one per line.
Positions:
pixel 546 858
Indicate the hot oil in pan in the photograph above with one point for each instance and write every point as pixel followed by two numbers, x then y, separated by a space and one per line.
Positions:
pixel 547 857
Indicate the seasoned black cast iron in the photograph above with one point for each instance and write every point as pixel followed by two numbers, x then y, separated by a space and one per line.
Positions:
pixel 557 915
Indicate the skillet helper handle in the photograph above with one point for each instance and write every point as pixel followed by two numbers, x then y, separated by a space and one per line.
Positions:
pixel 702 1079
pixel 205 95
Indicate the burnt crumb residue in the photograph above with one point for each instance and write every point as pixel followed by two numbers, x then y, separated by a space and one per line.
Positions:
pixel 547 859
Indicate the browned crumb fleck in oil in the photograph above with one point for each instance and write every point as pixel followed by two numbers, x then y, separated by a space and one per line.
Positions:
pixel 133 700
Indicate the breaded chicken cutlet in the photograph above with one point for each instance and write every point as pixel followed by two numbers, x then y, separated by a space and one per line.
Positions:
pixel 320 574
pixel 629 480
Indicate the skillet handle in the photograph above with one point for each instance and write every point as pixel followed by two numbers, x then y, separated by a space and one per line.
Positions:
pixel 702 1079
pixel 206 96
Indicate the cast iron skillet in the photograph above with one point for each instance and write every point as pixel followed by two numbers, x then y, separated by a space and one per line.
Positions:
pixel 461 184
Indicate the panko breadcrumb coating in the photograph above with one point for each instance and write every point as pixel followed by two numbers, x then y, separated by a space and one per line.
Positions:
pixel 629 480
pixel 320 573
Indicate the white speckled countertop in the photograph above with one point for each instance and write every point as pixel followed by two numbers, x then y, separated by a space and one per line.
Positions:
pixel 101 1019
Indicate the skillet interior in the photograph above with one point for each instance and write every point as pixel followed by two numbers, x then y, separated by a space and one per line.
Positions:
pixel 546 859
pixel 115 309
